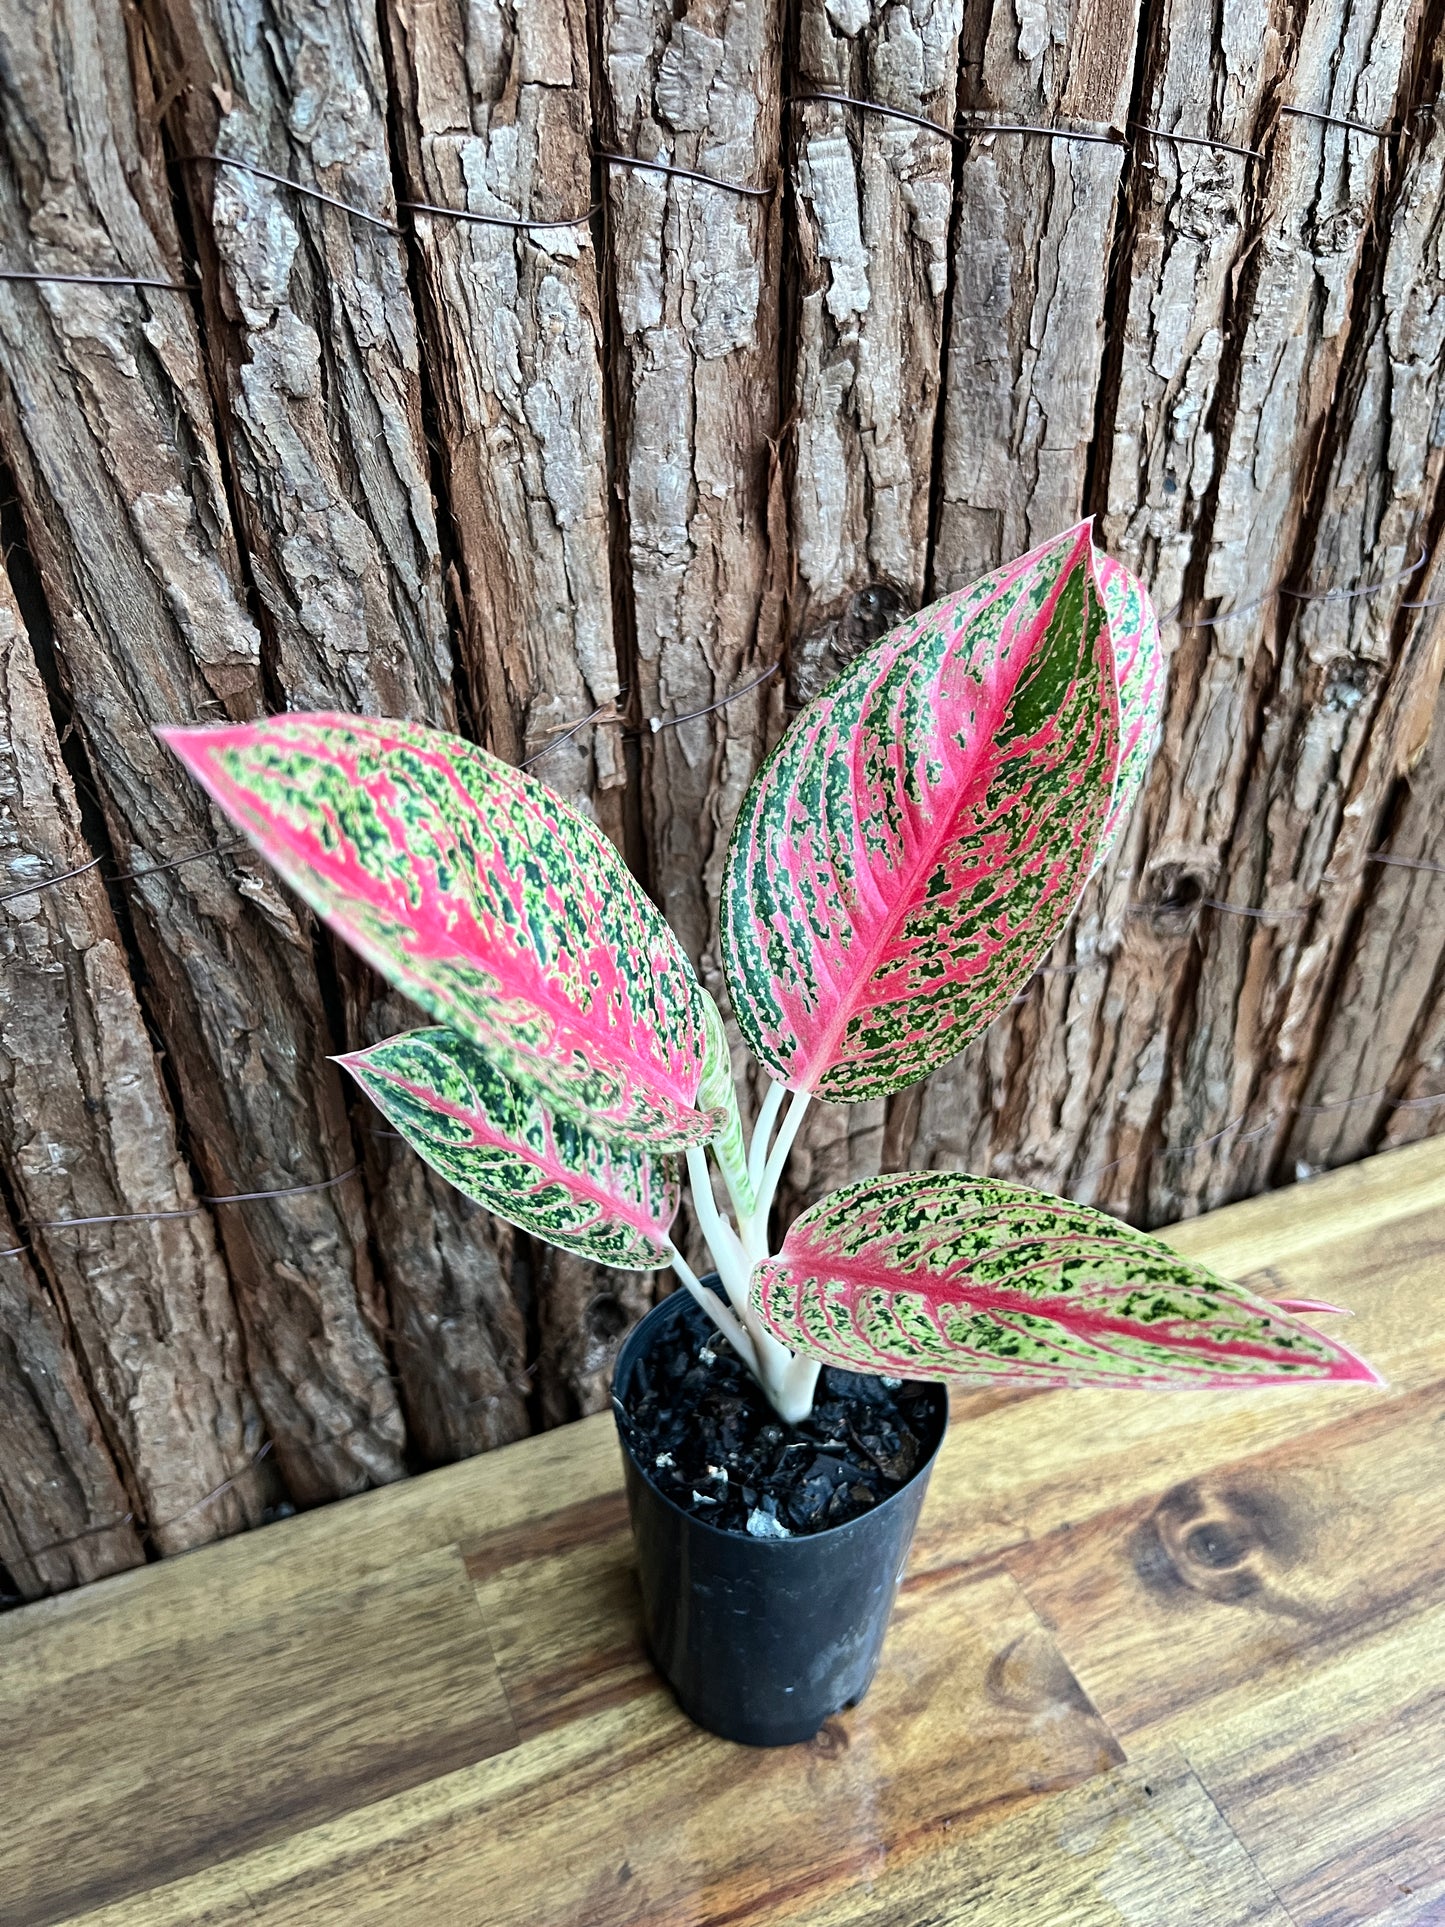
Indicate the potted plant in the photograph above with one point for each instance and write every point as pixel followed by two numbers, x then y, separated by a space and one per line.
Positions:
pixel 903 861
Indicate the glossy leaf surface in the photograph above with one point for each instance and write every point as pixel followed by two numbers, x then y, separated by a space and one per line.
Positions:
pixel 922 833
pixel 933 1274
pixel 483 896
pixel 502 1147
pixel 1140 672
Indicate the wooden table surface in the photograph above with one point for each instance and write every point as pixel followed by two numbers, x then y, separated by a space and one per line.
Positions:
pixel 1161 1660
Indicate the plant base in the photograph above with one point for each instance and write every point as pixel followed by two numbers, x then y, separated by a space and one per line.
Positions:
pixel 763 1639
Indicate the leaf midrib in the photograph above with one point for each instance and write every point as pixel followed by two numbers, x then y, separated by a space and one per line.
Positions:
pixel 923 866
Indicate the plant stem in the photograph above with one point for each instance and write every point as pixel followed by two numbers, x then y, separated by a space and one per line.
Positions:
pixel 787 1378
pixel 733 1162
pixel 718 1089
pixel 793 1399
pixel 717 1311
pixel 723 1242
pixel 778 1156
pixel 763 1131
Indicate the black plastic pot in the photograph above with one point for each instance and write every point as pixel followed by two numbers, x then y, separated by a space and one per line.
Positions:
pixel 761 1640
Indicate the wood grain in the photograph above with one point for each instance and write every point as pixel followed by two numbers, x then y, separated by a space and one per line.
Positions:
pixel 1156 1659
pixel 583 1802
pixel 1141 1844
pixel 157 1801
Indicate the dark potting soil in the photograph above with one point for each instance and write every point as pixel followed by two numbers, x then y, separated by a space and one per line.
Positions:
pixel 697 1420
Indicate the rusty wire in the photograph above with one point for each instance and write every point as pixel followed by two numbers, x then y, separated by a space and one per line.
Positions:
pixel 964 129
pixel 1365 590
pixel 125 876
pixel 1271 1122
pixel 1338 120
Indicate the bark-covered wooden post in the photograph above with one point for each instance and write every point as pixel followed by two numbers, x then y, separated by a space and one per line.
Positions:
pixel 725 380
pixel 107 425
pixel 694 276
pixel 495 118
pixel 87 1132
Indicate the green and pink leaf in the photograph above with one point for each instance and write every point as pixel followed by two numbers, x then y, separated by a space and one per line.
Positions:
pixel 499 1144
pixel 933 1274
pixel 1139 669
pixel 920 836
pixel 487 899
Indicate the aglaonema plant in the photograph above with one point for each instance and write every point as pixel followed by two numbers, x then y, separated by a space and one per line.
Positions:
pixel 902 863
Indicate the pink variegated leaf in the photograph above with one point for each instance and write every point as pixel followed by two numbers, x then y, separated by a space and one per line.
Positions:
pixel 481 894
pixel 500 1144
pixel 1139 670
pixel 932 1274
pixel 922 833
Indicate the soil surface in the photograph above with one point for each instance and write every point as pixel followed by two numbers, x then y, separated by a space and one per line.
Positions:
pixel 698 1421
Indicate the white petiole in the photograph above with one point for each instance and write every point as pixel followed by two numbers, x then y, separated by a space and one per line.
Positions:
pixel 788 1378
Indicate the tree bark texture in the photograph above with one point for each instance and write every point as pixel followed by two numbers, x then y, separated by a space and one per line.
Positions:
pixel 577 488
pixel 1152 1031
pixel 1033 230
pixel 695 289
pixel 872 198
pixel 495 119
pixel 313 343
pixel 315 355
pixel 86 1131
pixel 107 426
pixel 64 1514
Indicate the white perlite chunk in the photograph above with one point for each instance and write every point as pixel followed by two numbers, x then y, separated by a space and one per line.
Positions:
pixel 762 1525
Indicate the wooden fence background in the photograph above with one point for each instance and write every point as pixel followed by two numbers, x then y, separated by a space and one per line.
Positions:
pixel 656 470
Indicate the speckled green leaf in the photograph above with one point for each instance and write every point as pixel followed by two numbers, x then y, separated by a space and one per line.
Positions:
pixel 483 896
pixel 718 1093
pixel 932 1274
pixel 1140 672
pixel 922 833
pixel 503 1147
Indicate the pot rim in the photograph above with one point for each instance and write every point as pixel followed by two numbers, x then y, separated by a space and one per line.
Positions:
pixel 794 1541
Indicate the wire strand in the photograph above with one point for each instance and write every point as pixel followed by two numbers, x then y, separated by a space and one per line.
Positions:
pixel 1196 140
pixel 100 280
pixel 495 220
pixel 297 187
pixel 203 1199
pixel 687 174
pixel 657 723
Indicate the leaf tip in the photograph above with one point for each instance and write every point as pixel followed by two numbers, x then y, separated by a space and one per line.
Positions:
pixel 183 739
pixel 1351 1369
